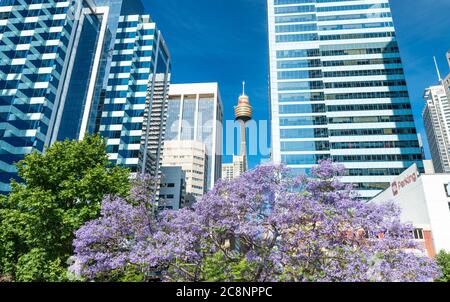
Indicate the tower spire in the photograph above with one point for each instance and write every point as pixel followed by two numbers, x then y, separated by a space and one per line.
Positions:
pixel 437 69
pixel 243 87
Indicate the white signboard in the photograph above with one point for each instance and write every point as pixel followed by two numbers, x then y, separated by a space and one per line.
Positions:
pixel 405 179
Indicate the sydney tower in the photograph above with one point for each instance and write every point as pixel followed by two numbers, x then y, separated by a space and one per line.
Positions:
pixel 243 113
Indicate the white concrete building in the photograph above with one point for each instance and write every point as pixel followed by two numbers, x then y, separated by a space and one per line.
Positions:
pixel 436 118
pixel 195 113
pixel 425 202
pixel 191 157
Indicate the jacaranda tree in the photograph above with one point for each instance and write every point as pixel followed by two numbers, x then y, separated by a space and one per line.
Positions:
pixel 264 226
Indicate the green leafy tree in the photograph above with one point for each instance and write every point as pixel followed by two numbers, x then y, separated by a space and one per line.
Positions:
pixel 61 190
pixel 443 260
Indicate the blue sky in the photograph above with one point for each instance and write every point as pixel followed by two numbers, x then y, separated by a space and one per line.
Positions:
pixel 225 41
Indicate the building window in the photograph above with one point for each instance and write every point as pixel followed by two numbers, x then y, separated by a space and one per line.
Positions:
pixel 168 185
pixel 418 234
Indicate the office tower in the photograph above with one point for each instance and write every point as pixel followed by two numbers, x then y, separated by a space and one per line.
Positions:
pixel 243 113
pixel 157 91
pixel 63 63
pixel 338 90
pixel 117 8
pixel 194 112
pixel 191 157
pixel 235 169
pixel 51 70
pixel 140 60
pixel 172 189
pixel 436 117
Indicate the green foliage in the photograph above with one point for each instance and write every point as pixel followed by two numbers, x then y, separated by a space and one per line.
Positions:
pixel 61 190
pixel 129 274
pixel 443 260
pixel 213 269
pixel 36 266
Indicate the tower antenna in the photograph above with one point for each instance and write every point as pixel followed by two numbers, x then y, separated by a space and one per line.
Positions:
pixel 243 87
pixel 437 69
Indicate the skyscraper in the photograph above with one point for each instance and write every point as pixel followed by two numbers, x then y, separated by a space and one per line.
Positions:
pixel 69 68
pixel 139 57
pixel 157 122
pixel 338 90
pixel 194 113
pixel 436 117
pixel 48 83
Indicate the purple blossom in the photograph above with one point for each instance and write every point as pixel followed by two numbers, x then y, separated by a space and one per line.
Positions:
pixel 285 228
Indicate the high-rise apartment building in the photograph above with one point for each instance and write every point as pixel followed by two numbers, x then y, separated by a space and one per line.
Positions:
pixel 158 115
pixel 194 113
pixel 436 117
pixel 338 90
pixel 191 157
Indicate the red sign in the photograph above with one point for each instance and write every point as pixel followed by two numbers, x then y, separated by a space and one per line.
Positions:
pixel 408 179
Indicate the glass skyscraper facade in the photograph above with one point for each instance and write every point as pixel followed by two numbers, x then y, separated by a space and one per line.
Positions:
pixel 69 68
pixel 46 80
pixel 139 56
pixel 83 92
pixel 338 90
